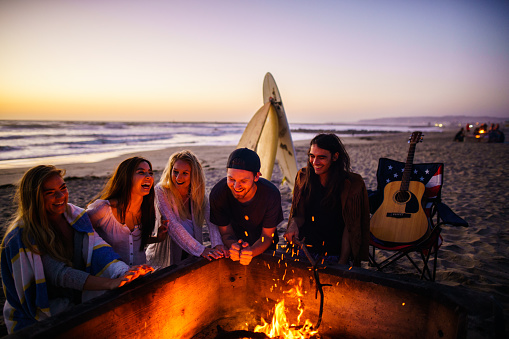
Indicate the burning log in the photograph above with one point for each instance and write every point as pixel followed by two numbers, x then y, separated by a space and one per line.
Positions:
pixel 240 334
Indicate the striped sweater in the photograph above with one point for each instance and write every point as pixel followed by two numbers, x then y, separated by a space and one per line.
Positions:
pixel 23 277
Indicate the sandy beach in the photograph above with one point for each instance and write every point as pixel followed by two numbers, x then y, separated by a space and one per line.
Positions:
pixel 476 187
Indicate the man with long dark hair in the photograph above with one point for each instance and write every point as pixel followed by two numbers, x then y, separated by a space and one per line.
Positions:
pixel 330 207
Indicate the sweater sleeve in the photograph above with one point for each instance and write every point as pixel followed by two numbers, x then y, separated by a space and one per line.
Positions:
pixel 176 231
pixel 59 274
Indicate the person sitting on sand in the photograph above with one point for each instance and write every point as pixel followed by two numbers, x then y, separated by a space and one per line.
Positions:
pixel 495 134
pixel 330 207
pixel 50 253
pixel 460 136
pixel 124 214
pixel 246 208
pixel 180 199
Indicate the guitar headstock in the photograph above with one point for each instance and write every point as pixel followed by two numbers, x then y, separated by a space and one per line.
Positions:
pixel 415 137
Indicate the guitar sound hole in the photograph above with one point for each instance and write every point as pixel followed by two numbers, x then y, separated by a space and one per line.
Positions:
pixel 402 197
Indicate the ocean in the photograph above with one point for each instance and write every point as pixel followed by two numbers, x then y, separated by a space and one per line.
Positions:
pixel 23 143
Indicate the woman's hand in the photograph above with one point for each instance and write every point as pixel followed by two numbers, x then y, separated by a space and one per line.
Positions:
pixel 94 283
pixel 223 250
pixel 121 281
pixel 212 253
pixel 162 231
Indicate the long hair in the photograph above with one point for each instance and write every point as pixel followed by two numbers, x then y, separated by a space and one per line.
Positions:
pixel 338 170
pixel 38 235
pixel 196 188
pixel 119 188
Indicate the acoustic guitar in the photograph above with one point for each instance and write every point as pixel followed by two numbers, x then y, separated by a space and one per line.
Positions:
pixel 401 218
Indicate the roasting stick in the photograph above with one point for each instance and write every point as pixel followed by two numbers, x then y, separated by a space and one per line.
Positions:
pixel 319 285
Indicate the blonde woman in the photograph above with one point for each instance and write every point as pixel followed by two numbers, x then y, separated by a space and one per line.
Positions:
pixel 50 252
pixel 180 199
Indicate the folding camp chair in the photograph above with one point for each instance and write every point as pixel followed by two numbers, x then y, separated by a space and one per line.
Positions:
pixel 437 213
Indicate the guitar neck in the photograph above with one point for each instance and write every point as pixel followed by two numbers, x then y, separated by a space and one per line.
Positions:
pixel 405 180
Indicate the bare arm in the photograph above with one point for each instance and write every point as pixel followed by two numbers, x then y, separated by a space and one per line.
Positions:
pixel 227 235
pixel 262 244
pixel 247 252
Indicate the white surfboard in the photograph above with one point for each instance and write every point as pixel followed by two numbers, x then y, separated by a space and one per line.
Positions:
pixel 253 130
pixel 261 135
pixel 267 144
pixel 285 155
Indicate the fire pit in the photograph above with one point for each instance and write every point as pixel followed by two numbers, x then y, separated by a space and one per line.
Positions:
pixel 199 299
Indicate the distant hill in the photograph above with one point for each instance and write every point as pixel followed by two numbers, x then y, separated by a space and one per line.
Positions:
pixel 448 120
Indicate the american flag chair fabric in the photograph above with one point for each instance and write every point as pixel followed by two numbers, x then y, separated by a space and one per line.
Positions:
pixel 431 175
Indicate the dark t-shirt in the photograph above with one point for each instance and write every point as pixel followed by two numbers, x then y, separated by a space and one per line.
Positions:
pixel 263 211
pixel 323 227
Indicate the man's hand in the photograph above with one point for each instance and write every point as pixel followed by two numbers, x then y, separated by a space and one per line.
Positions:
pixel 246 255
pixel 292 232
pixel 235 250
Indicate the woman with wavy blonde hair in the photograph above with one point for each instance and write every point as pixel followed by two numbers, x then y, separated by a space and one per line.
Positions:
pixel 180 199
pixel 51 257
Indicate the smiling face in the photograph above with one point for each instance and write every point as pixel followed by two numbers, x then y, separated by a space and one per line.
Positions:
pixel 55 195
pixel 242 184
pixel 143 179
pixel 321 160
pixel 181 176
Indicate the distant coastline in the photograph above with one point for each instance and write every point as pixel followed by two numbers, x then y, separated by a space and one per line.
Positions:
pixel 446 120
pixel 345 132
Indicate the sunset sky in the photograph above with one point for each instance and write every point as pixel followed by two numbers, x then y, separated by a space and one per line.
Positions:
pixel 334 61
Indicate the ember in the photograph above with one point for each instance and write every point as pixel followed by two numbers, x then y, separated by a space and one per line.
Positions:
pixel 141 271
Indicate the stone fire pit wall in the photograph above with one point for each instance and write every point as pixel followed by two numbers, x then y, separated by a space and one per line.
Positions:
pixel 189 301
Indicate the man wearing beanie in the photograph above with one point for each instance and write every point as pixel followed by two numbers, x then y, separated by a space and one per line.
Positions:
pixel 246 208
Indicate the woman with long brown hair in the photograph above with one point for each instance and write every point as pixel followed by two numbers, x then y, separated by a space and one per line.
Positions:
pixel 124 214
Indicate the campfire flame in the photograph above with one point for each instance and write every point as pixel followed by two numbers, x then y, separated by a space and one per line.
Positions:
pixel 280 327
pixel 140 271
